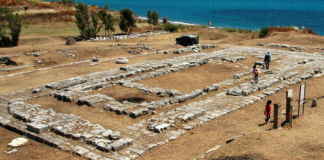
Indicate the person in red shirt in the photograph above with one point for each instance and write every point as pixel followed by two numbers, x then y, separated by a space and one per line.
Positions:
pixel 256 76
pixel 267 111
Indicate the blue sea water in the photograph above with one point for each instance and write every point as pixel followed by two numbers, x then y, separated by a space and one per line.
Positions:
pixel 243 14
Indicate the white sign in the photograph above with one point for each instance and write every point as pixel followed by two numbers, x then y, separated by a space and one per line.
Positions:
pixel 302 93
pixel 289 93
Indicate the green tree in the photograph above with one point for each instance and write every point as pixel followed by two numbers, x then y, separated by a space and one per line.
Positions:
pixel 82 17
pixel 95 24
pixel 155 18
pixel 149 17
pixel 171 27
pixel 67 1
pixel 15 24
pixel 264 32
pixel 12 22
pixel 165 20
pixel 110 23
pixel 107 21
pixel 106 7
pixel 127 21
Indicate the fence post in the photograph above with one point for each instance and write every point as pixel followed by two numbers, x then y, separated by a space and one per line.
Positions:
pixel 276 121
pixel 289 110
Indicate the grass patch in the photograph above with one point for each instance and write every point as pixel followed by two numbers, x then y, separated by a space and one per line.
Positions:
pixel 50 29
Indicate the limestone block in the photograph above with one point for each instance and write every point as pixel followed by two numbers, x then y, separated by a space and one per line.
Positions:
pixel 229 91
pixel 15 100
pixel 117 145
pixel 237 92
pixel 122 60
pixel 114 136
pixel 139 151
pixel 87 136
pixel 246 92
pixel 151 146
pixel 161 127
pixel 80 150
pixel 107 133
pixel 37 90
pixel 76 136
pixel 37 128
pixel 93 156
pixel 272 44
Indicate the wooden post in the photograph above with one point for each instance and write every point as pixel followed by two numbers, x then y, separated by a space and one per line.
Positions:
pixel 289 110
pixel 276 121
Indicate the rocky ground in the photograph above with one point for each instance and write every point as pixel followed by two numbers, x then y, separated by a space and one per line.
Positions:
pixel 166 102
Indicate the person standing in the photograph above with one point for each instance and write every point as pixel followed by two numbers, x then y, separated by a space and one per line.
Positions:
pixel 256 76
pixel 254 69
pixel 267 60
pixel 267 111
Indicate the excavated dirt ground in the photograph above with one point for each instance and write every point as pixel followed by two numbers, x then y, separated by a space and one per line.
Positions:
pixel 303 141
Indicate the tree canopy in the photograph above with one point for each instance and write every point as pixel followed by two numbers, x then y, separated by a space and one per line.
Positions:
pixel 155 18
pixel 12 22
pixel 127 21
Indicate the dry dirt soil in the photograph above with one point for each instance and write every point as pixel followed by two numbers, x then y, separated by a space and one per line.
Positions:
pixel 303 141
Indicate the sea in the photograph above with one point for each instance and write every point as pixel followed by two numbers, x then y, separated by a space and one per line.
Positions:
pixel 241 14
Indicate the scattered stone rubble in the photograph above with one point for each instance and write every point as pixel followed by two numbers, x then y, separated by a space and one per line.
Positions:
pixel 119 37
pixel 291 47
pixel 72 133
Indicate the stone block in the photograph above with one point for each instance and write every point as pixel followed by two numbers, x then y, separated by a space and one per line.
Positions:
pixel 107 133
pixel 139 151
pixel 80 150
pixel 93 156
pixel 114 136
pixel 37 128
pixel 37 90
pixel 161 127
pixel 117 145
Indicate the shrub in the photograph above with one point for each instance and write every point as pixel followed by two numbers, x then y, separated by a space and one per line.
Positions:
pixel 10 22
pixel 65 2
pixel 171 27
pixel 264 32
pixel 70 41
pixel 308 30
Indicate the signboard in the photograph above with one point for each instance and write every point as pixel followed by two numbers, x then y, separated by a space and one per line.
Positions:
pixel 302 93
pixel 210 23
pixel 289 93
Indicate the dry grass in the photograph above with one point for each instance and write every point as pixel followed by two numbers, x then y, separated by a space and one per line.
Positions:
pixel 57 16
pixel 292 29
pixel 33 150
pixel 195 78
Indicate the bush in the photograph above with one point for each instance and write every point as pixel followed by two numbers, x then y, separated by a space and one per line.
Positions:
pixel 171 27
pixel 70 41
pixel 264 32
pixel 309 31
pixel 10 22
